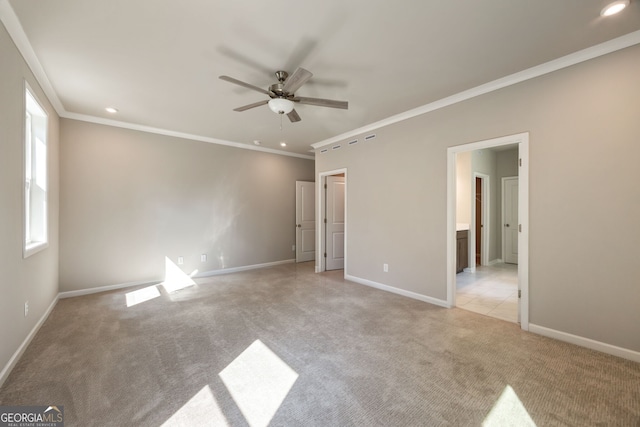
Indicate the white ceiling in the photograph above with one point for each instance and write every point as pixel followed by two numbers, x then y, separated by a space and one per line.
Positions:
pixel 158 61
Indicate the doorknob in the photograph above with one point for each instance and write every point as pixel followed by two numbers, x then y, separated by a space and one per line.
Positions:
pixel 506 225
pixel 299 225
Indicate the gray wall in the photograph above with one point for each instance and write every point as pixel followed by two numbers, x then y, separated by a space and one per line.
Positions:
pixel 34 279
pixel 584 194
pixel 129 199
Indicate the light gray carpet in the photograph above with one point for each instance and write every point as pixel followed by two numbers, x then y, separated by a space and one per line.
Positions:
pixel 362 357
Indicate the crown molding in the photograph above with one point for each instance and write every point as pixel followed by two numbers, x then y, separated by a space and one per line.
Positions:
pixel 183 135
pixel 13 26
pixel 601 49
pixel 19 37
pixel 17 34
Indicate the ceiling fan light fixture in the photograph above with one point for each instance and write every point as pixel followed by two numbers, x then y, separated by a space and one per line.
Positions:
pixel 615 7
pixel 281 105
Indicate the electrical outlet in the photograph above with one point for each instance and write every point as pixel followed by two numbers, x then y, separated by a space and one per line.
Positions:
pixel 385 268
pixel 180 260
pixel 26 308
pixel 203 258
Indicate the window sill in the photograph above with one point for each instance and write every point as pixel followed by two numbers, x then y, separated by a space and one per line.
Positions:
pixel 34 248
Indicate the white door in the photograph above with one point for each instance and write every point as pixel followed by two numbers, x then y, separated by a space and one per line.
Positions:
pixel 510 219
pixel 305 221
pixel 335 216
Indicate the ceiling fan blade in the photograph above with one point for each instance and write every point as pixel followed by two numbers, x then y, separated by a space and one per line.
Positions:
pixel 243 84
pixel 322 102
pixel 254 105
pixel 296 80
pixel 293 116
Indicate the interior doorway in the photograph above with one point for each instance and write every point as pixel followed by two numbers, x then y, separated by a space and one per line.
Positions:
pixel 521 141
pixel 331 228
pixel 334 215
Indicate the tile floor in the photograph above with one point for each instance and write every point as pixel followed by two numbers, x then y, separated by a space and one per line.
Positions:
pixel 491 290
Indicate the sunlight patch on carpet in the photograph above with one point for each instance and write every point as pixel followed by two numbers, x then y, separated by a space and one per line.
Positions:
pixel 258 380
pixel 174 278
pixel 201 410
pixel 508 411
pixel 142 295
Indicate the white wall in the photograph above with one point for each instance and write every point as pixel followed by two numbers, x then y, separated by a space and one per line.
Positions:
pixel 34 279
pixel 129 199
pixel 584 195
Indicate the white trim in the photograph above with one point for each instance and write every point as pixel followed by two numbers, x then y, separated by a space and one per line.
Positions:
pixel 398 291
pixel 523 237
pixel 530 73
pixel 243 268
pixel 522 139
pixel 320 208
pixel 20 351
pixel 89 291
pixel 32 248
pixel 183 135
pixel 495 261
pixel 585 342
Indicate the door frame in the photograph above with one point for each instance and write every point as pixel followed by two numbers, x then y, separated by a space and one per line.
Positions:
pixel 484 250
pixel 522 139
pixel 321 264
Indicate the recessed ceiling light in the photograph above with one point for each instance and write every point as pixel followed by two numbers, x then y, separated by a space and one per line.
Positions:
pixel 283 144
pixel 257 142
pixel 111 110
pixel 615 7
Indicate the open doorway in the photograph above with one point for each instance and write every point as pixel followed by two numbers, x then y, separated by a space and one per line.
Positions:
pixel 331 229
pixel 494 278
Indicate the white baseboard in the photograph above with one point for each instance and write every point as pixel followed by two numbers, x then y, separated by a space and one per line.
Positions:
pixel 243 268
pixel 80 292
pixel 420 297
pixel 495 261
pixel 585 342
pixel 16 356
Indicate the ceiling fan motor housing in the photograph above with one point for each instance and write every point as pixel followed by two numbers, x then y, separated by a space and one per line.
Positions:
pixel 277 91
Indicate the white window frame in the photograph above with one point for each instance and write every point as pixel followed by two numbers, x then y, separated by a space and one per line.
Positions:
pixel 35 175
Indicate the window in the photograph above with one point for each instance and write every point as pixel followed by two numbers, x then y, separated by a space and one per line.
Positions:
pixel 35 176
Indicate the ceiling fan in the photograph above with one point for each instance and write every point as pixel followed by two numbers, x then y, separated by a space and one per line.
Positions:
pixel 282 94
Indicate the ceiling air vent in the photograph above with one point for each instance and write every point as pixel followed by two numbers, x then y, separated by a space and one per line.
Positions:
pixel 324 151
pixel 355 141
pixel 336 147
pixel 370 137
